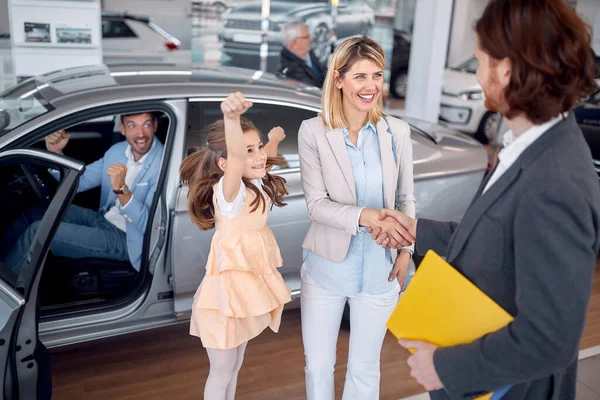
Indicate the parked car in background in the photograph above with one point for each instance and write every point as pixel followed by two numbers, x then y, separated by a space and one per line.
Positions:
pixel 462 105
pixel 87 299
pixel 240 32
pixel 400 62
pixel 588 119
pixel 128 38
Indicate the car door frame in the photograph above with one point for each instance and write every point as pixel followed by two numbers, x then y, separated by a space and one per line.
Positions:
pixel 159 216
pixel 20 370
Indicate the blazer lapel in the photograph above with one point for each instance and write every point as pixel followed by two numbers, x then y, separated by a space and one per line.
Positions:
pixel 388 164
pixel 479 206
pixel 335 138
pixel 483 202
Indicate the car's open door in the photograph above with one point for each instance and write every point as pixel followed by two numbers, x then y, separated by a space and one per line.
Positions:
pixel 25 185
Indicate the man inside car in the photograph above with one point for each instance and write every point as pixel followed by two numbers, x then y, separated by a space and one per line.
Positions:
pixel 298 61
pixel 127 175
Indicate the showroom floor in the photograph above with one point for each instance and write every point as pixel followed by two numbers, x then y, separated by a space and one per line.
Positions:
pixel 167 363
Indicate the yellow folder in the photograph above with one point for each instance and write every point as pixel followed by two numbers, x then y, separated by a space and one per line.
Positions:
pixel 442 307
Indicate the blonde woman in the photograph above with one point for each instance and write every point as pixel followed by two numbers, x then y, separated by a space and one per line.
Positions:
pixel 354 162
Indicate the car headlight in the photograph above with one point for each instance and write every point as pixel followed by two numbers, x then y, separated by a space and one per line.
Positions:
pixel 471 95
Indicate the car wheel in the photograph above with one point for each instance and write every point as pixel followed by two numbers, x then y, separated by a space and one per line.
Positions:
pixel 398 84
pixel 320 42
pixel 488 128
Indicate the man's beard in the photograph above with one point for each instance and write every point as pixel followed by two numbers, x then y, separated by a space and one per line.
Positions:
pixel 494 98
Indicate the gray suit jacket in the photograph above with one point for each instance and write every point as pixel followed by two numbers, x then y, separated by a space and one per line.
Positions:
pixel 530 242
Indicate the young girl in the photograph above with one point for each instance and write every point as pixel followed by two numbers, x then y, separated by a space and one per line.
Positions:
pixel 242 292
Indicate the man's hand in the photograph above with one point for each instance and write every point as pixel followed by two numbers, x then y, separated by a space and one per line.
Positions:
pixel 390 226
pixel 57 141
pixel 117 173
pixel 400 269
pixel 421 364
pixel 384 239
pixel 276 134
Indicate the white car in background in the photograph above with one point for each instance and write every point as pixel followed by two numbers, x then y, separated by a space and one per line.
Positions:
pixel 462 105
pixel 128 38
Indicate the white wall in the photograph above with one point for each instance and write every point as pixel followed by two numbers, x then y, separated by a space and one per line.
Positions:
pixel 32 58
pixel 462 37
pixel 590 11
pixel 171 15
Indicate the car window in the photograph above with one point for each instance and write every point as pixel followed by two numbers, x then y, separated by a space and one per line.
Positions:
pixel 264 116
pixel 89 140
pixel 116 29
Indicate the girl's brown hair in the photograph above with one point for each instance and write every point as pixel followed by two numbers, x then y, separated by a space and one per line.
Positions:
pixel 200 171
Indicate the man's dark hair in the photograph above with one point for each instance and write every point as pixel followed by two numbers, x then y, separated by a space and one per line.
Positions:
pixel 548 45
pixel 123 116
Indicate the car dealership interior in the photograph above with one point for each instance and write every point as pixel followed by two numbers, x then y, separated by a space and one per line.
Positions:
pixel 106 261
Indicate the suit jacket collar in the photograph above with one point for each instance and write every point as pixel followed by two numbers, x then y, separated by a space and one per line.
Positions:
pixel 290 57
pixel 482 203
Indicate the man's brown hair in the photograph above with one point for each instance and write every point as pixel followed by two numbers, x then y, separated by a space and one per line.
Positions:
pixel 549 48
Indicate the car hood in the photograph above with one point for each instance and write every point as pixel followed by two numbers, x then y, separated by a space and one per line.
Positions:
pixel 278 9
pixel 439 150
pixel 456 82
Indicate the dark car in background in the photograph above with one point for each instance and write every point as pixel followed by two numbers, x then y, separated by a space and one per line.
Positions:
pixel 399 67
pixel 588 119
pixel 240 33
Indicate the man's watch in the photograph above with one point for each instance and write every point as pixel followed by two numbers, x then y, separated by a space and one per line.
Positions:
pixel 124 190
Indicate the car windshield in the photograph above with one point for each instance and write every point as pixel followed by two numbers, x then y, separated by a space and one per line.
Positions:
pixel 21 104
pixel 469 65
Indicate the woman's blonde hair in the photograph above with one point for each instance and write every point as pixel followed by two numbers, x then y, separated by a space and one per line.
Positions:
pixel 345 56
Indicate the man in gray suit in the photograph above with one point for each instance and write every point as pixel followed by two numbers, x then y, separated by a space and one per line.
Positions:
pixel 531 235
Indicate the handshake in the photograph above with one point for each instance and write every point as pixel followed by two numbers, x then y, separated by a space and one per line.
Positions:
pixel 390 228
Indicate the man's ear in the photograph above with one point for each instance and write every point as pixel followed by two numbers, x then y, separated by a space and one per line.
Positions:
pixel 222 163
pixel 504 68
pixel 122 128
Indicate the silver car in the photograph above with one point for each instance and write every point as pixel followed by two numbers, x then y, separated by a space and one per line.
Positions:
pixel 86 299
pixel 241 28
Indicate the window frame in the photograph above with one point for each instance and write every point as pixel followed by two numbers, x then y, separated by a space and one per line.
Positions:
pixel 255 100
pixel 122 21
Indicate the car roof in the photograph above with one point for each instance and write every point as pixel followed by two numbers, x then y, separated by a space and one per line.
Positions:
pixel 80 84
